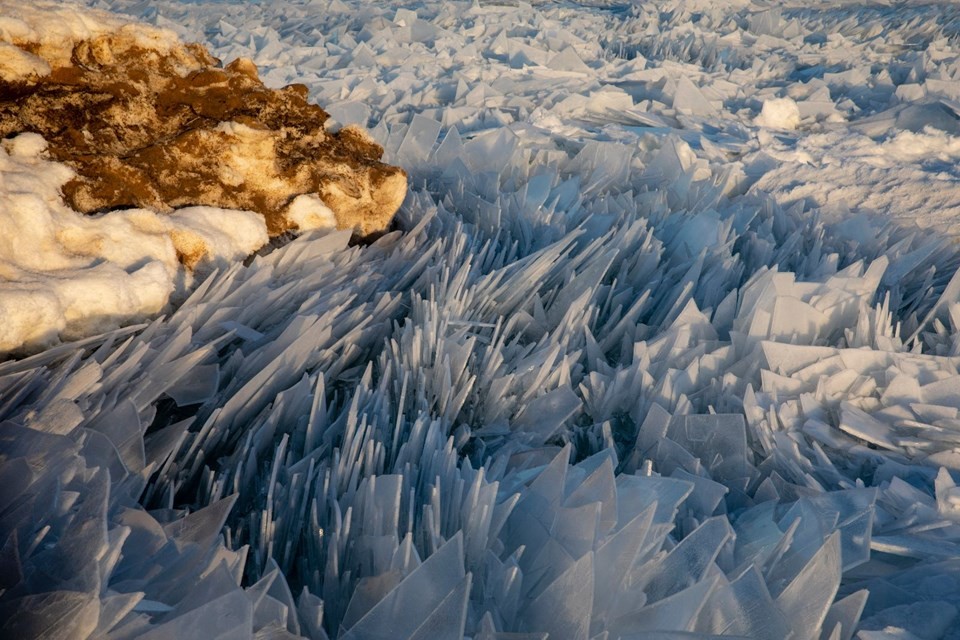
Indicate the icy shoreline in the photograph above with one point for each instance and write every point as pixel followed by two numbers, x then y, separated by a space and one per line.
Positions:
pixel 600 381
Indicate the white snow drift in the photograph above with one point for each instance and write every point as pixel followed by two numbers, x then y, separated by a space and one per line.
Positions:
pixel 65 275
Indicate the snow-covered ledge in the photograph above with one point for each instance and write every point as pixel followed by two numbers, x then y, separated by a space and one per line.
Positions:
pixel 131 163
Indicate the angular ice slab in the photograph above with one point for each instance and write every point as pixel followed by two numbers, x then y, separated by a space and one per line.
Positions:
pixel 432 599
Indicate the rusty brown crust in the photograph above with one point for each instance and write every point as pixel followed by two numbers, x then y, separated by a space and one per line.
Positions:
pixel 144 128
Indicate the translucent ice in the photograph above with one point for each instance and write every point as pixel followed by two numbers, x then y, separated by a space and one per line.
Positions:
pixel 629 366
pixel 688 99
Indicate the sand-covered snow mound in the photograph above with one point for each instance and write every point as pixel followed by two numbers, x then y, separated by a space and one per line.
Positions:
pixel 124 120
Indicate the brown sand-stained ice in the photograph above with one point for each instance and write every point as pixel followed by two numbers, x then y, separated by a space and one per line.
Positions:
pixel 168 127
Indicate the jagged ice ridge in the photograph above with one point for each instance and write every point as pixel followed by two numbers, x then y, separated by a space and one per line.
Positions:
pixel 587 388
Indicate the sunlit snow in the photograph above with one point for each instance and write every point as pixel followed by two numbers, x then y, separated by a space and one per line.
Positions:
pixel 665 346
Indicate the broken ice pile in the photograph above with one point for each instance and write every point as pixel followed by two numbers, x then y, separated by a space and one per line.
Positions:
pixel 590 390
pixel 581 420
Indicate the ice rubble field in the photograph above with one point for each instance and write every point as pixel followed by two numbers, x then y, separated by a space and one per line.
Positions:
pixel 666 347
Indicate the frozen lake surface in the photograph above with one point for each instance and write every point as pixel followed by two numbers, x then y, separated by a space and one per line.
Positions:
pixel 666 345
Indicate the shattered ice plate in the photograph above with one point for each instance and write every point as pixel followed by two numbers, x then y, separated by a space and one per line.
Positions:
pixel 664 344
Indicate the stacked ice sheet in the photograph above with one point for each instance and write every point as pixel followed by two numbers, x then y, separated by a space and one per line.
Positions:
pixel 382 423
pixel 594 388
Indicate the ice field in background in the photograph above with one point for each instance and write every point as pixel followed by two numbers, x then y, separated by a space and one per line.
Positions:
pixel 665 346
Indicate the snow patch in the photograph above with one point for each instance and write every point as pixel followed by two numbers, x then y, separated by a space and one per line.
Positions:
pixel 927 145
pixel 779 113
pixel 17 65
pixel 54 28
pixel 66 275
pixel 309 212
